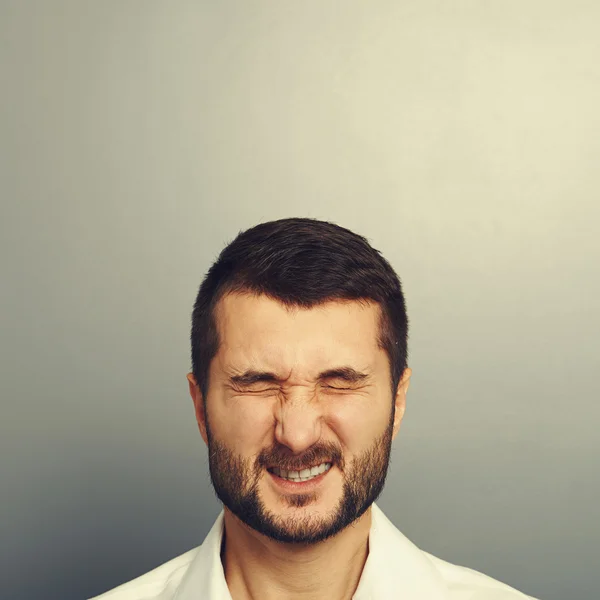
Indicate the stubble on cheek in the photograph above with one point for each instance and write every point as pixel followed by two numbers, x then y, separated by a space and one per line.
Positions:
pixel 232 475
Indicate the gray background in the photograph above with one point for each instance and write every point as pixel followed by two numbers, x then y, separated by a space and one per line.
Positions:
pixel 137 138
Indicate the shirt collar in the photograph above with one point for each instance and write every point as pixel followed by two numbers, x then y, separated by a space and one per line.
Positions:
pixel 395 567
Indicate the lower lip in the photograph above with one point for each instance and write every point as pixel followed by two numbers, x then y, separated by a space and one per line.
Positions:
pixel 298 486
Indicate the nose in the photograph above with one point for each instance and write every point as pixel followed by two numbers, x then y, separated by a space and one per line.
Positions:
pixel 298 424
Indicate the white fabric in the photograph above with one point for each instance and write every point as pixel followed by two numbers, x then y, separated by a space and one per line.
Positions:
pixel 395 570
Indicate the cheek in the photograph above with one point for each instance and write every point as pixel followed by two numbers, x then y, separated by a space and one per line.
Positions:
pixel 245 423
pixel 356 424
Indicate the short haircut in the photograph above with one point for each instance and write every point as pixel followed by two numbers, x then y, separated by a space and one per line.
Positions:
pixel 301 262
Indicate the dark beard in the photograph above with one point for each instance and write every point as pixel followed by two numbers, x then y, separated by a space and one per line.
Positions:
pixel 236 485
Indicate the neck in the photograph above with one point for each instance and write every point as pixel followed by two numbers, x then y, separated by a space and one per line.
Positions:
pixel 257 567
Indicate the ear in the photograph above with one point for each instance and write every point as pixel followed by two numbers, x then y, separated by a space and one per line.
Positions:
pixel 400 400
pixel 196 395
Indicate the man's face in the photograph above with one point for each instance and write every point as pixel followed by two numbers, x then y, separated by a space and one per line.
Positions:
pixel 299 416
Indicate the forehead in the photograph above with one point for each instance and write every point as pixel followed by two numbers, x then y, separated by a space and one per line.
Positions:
pixel 259 331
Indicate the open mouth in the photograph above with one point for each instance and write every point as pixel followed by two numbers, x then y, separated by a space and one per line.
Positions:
pixel 301 476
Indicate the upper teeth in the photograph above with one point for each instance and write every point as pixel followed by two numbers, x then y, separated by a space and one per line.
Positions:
pixel 302 475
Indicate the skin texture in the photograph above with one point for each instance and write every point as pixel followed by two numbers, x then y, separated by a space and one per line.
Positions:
pixel 289 544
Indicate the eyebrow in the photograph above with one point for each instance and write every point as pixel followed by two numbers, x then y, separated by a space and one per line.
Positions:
pixel 348 374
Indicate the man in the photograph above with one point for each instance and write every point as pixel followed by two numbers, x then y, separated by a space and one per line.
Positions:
pixel 299 381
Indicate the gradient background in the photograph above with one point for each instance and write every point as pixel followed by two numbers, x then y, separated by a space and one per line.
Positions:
pixel 137 139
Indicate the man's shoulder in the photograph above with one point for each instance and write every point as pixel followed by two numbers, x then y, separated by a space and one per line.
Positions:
pixel 158 584
pixel 467 584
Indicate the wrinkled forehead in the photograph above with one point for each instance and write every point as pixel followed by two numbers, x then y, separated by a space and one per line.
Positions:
pixel 258 331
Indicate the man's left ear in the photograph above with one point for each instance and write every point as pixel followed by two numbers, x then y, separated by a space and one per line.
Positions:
pixel 400 400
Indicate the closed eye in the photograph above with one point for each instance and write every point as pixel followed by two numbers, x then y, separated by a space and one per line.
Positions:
pixel 335 387
pixel 328 387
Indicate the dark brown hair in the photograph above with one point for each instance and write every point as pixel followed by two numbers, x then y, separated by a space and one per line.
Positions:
pixel 301 262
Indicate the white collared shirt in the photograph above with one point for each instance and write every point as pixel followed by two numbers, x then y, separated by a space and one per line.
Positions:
pixel 395 569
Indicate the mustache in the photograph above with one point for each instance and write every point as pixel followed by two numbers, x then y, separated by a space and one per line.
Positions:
pixel 281 457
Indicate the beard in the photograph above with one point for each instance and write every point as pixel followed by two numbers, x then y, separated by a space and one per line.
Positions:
pixel 236 484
